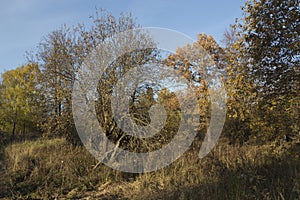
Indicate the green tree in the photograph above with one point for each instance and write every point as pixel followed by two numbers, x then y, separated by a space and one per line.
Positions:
pixel 19 100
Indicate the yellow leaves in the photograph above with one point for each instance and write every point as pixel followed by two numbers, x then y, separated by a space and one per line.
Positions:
pixel 233 116
pixel 256 5
pixel 18 86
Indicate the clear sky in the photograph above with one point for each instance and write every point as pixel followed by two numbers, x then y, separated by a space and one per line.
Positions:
pixel 23 23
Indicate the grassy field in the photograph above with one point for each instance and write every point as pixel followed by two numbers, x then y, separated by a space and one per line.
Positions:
pixel 50 168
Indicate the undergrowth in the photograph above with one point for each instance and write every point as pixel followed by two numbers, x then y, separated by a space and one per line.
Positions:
pixel 50 168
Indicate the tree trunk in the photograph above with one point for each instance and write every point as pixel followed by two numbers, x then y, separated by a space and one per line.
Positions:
pixel 14 127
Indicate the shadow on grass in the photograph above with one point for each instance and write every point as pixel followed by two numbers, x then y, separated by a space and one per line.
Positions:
pixel 276 178
pixel 36 170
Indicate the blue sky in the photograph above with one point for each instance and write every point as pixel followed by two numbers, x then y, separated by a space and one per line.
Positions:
pixel 23 23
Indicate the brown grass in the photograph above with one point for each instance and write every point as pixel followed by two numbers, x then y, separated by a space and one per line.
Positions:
pixel 51 169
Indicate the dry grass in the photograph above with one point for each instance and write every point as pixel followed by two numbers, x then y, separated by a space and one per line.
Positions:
pixel 53 169
pixel 49 168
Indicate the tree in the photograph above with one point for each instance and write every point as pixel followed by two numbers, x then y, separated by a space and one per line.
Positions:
pixel 201 63
pixel 18 99
pixel 272 49
pixel 272 40
pixel 59 58
pixel 239 87
pixel 141 99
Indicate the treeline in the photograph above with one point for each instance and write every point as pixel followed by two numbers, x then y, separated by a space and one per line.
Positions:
pixel 259 58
